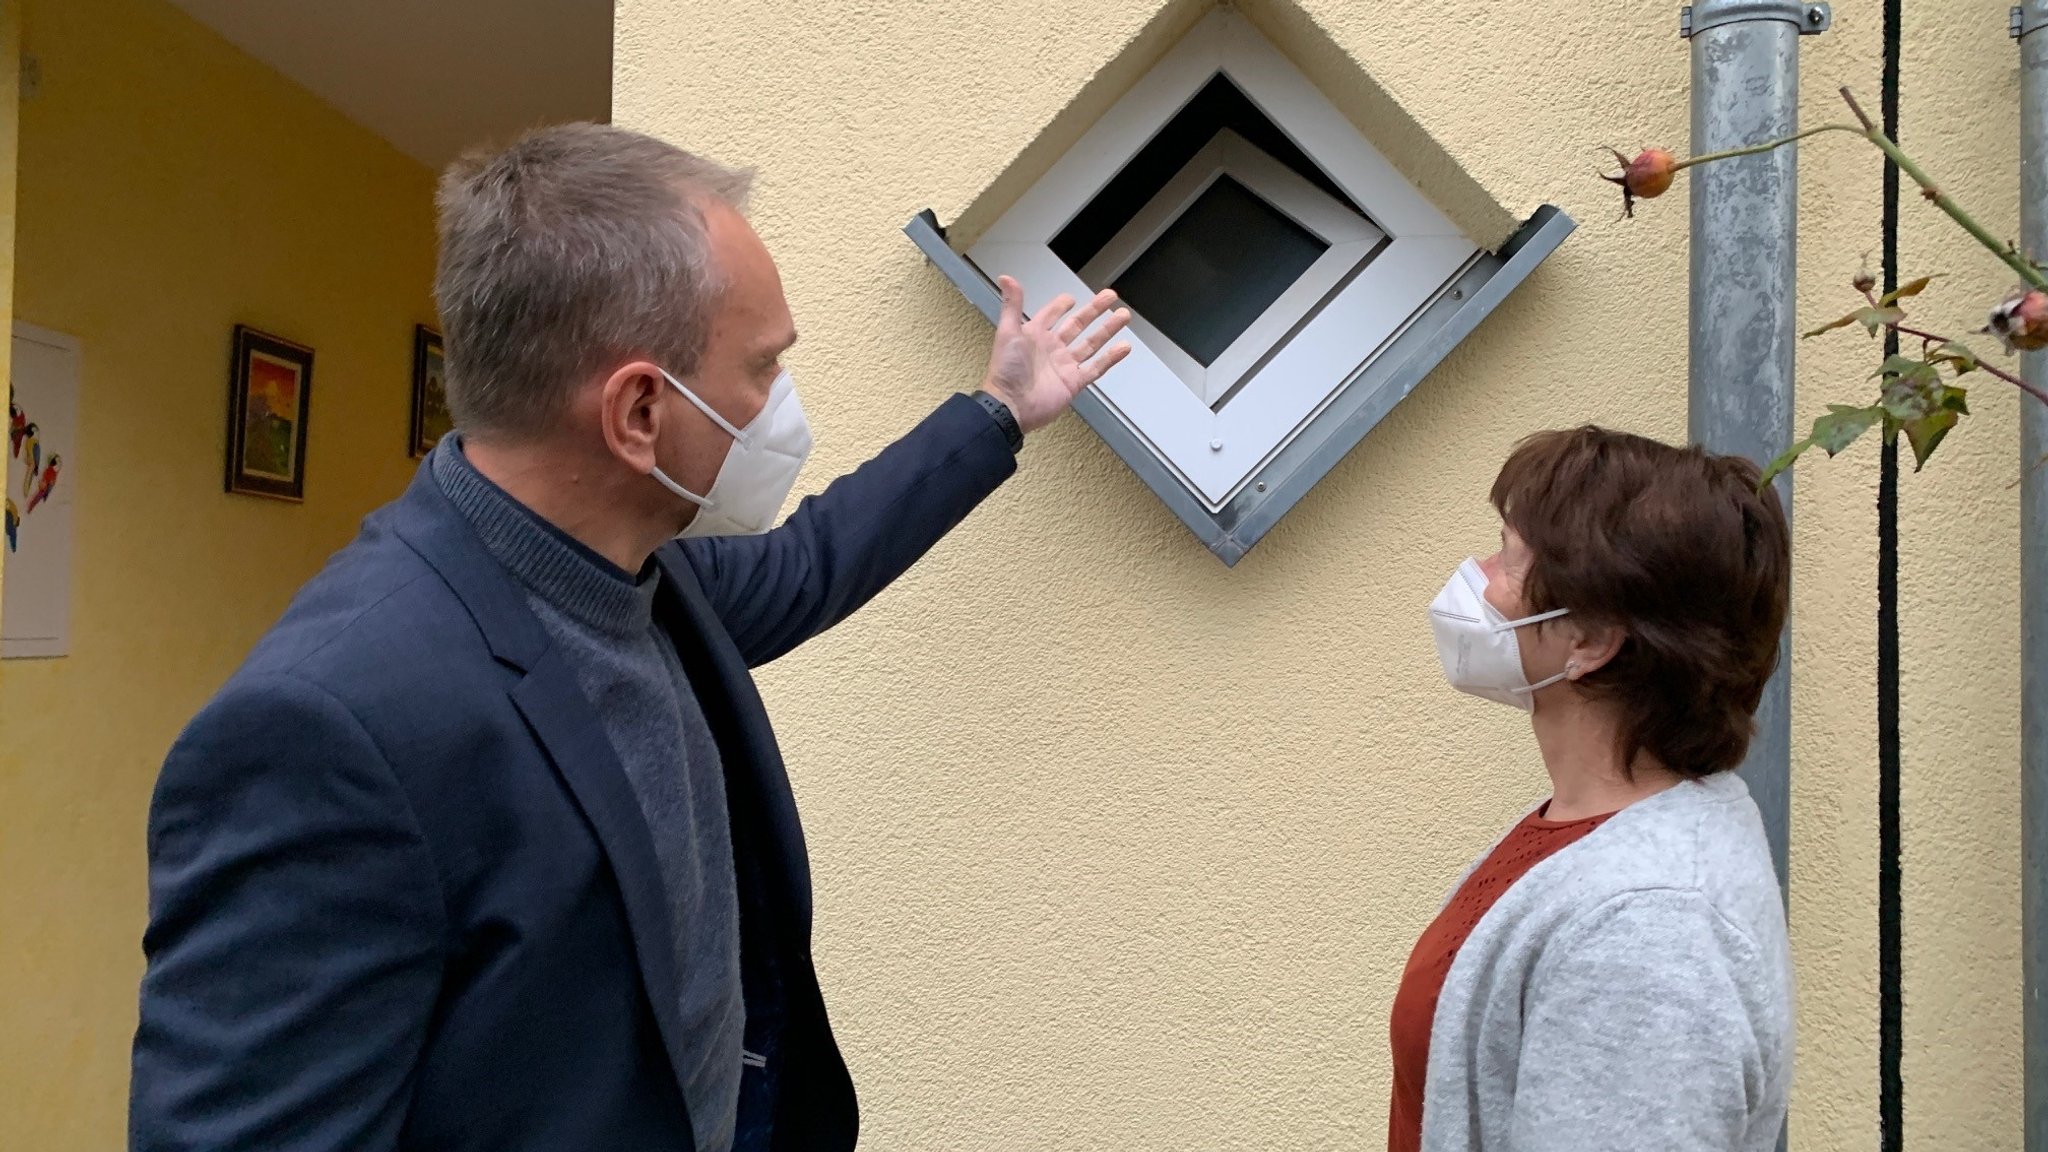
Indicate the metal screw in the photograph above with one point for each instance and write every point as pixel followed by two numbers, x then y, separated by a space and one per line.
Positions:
pixel 1215 445
pixel 1815 16
pixel 1457 293
pixel 1262 485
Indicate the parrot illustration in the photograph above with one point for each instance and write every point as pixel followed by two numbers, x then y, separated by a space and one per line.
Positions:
pixel 13 523
pixel 17 424
pixel 43 486
pixel 31 451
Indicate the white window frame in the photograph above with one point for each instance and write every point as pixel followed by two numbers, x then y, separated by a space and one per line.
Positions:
pixel 1215 451
pixel 1349 239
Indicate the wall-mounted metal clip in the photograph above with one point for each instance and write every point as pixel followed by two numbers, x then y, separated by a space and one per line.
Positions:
pixel 2031 16
pixel 1813 19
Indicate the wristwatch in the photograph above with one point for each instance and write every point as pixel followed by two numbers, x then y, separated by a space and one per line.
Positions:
pixel 1004 418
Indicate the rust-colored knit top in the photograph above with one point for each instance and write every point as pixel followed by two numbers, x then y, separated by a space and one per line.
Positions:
pixel 1526 846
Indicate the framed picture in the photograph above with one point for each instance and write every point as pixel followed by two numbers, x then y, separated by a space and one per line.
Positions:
pixel 270 386
pixel 430 419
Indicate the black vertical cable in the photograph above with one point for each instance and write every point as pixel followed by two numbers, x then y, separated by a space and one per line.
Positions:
pixel 1890 982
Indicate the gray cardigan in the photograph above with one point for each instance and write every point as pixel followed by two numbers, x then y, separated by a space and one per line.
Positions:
pixel 1632 992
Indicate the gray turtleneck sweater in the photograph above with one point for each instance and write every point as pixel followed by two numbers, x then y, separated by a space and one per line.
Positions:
pixel 603 621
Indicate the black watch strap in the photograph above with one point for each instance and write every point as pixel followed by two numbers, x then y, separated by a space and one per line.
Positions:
pixel 1005 418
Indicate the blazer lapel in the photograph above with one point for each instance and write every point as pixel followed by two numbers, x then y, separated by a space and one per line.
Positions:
pixel 568 730
pixel 567 726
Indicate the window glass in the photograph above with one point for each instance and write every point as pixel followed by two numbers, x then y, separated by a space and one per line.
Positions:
pixel 1217 268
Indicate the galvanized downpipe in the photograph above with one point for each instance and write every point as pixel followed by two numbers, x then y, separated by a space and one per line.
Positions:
pixel 2028 20
pixel 1745 90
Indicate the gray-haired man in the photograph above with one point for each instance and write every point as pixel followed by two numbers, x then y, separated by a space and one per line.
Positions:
pixel 489 845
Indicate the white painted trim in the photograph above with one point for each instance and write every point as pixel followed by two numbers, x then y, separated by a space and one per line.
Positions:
pixel 1223 42
pixel 1350 238
pixel 1228 154
pixel 23 330
pixel 1214 451
pixel 1151 397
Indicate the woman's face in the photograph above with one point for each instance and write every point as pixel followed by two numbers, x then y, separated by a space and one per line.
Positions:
pixel 1546 646
pixel 1504 572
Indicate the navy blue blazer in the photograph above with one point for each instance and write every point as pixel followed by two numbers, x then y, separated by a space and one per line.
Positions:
pixel 401 895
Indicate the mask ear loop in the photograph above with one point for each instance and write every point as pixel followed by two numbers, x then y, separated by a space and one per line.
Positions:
pixel 702 502
pixel 1524 622
pixel 1571 667
pixel 737 435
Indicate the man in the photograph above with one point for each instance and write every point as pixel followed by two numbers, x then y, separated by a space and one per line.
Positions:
pixel 489 845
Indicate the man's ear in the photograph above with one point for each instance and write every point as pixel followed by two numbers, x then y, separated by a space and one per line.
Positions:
pixel 630 411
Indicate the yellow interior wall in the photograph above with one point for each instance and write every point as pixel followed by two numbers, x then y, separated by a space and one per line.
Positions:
pixel 170 188
pixel 1116 848
pixel 10 137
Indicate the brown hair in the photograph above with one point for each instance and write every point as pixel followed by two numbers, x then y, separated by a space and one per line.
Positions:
pixel 1678 549
pixel 576 247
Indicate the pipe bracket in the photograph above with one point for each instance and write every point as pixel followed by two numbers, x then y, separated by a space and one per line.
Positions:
pixel 1813 19
pixel 2031 16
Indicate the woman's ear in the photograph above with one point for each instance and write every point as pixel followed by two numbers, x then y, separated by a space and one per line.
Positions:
pixel 629 413
pixel 1591 649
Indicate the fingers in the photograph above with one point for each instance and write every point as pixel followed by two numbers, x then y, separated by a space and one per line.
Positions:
pixel 1048 317
pixel 1013 302
pixel 1079 321
pixel 1092 370
pixel 1103 334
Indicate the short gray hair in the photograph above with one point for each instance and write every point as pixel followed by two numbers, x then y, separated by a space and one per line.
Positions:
pixel 576 247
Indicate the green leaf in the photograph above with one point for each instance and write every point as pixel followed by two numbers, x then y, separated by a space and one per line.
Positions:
pixel 1925 434
pixel 1842 425
pixel 1783 462
pixel 1903 403
pixel 1896 365
pixel 1956 355
pixel 1831 433
pixel 1910 288
pixel 1912 388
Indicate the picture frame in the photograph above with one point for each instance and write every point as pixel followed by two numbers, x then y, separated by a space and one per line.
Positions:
pixel 430 417
pixel 270 387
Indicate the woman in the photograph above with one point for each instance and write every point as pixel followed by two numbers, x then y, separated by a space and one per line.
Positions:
pixel 1614 973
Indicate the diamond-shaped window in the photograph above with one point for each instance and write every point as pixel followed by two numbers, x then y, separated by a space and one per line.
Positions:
pixel 1287 285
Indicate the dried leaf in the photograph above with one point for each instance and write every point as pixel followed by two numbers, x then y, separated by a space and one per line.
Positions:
pixel 1910 288
pixel 1875 320
pixel 1872 319
pixel 1831 325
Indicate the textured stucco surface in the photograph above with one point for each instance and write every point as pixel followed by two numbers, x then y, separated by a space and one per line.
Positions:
pixel 1959 613
pixel 1116 848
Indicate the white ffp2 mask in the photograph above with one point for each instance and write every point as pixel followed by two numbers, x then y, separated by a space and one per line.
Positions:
pixel 1477 645
pixel 760 468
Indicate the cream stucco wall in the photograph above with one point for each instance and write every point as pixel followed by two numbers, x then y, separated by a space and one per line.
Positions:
pixel 1959 615
pixel 1116 848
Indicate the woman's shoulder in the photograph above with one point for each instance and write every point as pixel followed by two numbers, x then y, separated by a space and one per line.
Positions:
pixel 1702 839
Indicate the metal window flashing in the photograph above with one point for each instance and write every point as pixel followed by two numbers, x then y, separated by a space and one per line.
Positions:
pixel 1326 437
